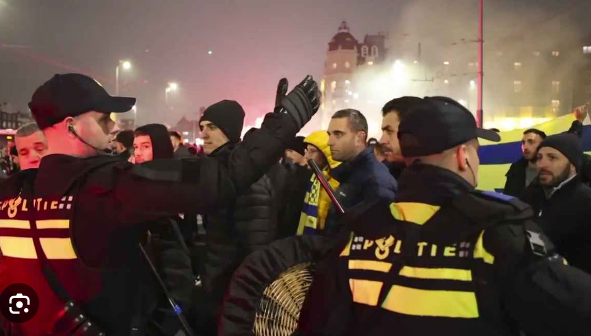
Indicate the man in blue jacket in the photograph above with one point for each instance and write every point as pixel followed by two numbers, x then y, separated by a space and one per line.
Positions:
pixel 362 177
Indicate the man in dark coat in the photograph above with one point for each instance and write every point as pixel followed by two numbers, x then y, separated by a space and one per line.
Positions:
pixel 361 176
pixel 167 247
pixel 562 203
pixel 248 223
pixel 180 150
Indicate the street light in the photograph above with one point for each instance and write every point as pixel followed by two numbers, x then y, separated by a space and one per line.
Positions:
pixel 172 86
pixel 126 66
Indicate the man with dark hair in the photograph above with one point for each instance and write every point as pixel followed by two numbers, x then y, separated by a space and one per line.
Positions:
pixel 165 246
pixel 31 145
pixel 362 177
pixel 177 143
pixel 524 171
pixel 124 144
pixel 561 201
pixel 394 111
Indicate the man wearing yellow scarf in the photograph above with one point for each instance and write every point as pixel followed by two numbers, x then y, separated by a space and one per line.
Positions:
pixel 317 203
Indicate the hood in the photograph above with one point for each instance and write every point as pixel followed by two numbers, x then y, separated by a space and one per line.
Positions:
pixel 320 140
pixel 161 144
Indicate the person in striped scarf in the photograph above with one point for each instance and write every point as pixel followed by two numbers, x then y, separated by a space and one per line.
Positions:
pixel 317 203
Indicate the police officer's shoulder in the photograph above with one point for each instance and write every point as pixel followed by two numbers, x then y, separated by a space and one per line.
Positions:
pixel 482 204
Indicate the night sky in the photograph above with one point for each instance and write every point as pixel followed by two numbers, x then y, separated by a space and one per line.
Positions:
pixel 254 42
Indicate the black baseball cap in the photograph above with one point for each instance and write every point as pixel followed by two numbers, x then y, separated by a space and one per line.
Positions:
pixel 437 124
pixel 70 95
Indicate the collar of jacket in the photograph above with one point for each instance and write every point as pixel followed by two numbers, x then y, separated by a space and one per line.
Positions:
pixel 345 169
pixel 566 185
pixel 58 172
pixel 224 150
pixel 430 184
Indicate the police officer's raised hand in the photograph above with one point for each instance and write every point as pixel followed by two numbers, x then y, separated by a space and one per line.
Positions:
pixel 302 102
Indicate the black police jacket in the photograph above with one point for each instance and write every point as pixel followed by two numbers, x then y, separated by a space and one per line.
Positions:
pixel 90 214
pixel 565 218
pixel 445 259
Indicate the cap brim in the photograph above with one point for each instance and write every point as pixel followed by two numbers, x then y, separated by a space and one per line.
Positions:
pixel 116 105
pixel 488 135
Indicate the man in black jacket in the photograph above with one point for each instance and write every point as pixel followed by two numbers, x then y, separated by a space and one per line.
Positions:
pixel 248 223
pixel 524 171
pixel 124 144
pixel 361 176
pixel 561 202
pixel 82 214
pixel 166 247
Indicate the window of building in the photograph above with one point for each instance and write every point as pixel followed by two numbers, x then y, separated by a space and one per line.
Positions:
pixel 537 53
pixel 556 53
pixel 555 104
pixel 555 86
pixel 517 65
pixel 364 51
pixel 333 85
pixel 347 65
pixel 587 50
pixel 334 65
pixel 517 86
pixel 374 51
pixel 347 82
pixel 370 63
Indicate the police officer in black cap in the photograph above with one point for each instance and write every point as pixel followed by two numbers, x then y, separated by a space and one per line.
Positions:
pixel 445 258
pixel 70 230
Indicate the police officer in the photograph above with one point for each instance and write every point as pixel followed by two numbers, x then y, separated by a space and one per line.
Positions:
pixel 70 229
pixel 444 258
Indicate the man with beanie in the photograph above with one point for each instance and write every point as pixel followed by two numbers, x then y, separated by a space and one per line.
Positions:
pixel 561 201
pixel 165 246
pixel 245 224
pixel 316 202
pixel 180 150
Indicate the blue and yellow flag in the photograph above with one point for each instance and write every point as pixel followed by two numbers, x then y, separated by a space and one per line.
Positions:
pixel 496 158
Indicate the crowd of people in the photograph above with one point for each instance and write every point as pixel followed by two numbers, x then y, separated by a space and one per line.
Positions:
pixel 143 233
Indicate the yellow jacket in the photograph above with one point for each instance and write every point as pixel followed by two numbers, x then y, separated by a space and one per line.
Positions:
pixel 317 203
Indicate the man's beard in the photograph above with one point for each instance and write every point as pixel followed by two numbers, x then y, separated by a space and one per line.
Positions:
pixel 560 178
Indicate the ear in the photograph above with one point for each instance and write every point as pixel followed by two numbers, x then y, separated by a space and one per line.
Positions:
pixel 68 123
pixel 462 157
pixel 361 138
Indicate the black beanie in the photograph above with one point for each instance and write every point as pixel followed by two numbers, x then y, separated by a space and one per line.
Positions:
pixel 568 144
pixel 161 144
pixel 228 116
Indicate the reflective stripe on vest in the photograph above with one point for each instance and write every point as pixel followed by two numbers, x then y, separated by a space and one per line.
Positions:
pixel 16 239
pixel 435 281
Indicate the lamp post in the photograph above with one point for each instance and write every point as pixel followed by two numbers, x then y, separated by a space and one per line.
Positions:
pixel 126 66
pixel 172 86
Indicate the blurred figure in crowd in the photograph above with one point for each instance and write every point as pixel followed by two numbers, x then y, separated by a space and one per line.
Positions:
pixel 180 150
pixel 31 145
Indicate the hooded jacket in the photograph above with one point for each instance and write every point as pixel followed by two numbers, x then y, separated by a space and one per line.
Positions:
pixel 170 255
pixel 316 202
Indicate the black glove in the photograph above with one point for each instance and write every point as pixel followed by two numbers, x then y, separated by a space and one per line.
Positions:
pixel 302 102
pixel 281 92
